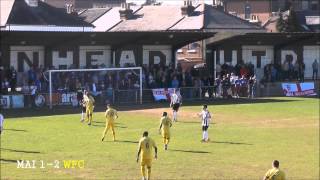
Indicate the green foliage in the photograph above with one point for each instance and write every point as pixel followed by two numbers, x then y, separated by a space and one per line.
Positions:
pixel 290 24
pixel 281 24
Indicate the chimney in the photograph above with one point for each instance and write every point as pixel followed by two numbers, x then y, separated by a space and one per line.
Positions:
pixel 69 8
pixel 187 8
pixel 32 3
pixel 219 4
pixel 125 11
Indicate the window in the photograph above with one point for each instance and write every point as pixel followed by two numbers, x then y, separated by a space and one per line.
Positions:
pixel 192 48
pixel 233 13
pixel 247 11
pixel 314 5
pixel 304 5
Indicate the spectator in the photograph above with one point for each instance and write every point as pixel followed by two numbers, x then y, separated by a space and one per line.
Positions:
pixel 273 73
pixel 250 68
pixel 237 86
pixel 225 86
pixel 210 84
pixel 296 67
pixel 175 82
pixel 285 68
pixel 291 70
pixel 243 86
pixel 33 94
pixel 315 68
pixel 109 94
pixel 243 71
pixel 12 78
pixel 233 85
pixel 251 87
pixel 301 71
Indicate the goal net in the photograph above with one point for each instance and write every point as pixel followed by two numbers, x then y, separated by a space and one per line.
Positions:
pixel 106 85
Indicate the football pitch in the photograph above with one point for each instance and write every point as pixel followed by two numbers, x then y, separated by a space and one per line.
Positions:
pixel 245 137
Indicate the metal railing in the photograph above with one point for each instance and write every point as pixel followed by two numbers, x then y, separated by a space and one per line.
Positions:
pixel 129 96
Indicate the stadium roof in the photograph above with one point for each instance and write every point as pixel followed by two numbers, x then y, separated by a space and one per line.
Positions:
pixel 6 6
pixel 116 39
pixel 18 12
pixel 151 18
pixel 167 18
pixel 277 39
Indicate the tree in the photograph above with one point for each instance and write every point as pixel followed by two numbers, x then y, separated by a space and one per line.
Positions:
pixel 281 24
pixel 292 22
pixel 289 23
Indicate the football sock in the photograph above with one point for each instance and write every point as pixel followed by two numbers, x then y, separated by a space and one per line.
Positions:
pixel 114 136
pixel 174 115
pixel 82 116
pixel 203 135
pixel 206 135
pixel 149 172
pixel 143 171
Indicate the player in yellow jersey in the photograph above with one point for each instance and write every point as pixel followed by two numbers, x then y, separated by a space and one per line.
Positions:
pixel 275 173
pixel 89 102
pixel 111 114
pixel 145 148
pixel 164 129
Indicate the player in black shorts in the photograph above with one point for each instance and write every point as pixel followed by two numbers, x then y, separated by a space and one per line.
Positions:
pixel 81 104
pixel 175 104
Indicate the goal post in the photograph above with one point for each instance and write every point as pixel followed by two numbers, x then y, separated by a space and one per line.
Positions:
pixel 93 70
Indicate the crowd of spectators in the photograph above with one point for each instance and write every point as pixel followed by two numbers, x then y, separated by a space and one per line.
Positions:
pixel 238 80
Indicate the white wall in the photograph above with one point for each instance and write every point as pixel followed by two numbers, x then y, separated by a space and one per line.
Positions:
pixel 28 50
pixel 284 53
pixel 105 58
pixel 247 55
pixel 57 60
pixel 165 49
pixel 310 53
pixel 127 57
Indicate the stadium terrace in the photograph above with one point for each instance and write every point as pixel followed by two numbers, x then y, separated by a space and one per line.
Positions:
pixel 37 37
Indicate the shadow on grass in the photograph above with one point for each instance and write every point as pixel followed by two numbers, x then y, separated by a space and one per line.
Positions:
pixel 116 126
pixel 63 110
pixel 20 151
pixel 189 151
pixel 122 127
pixel 193 122
pixel 98 125
pixel 127 141
pixel 232 143
pixel 98 122
pixel 8 160
pixel 20 130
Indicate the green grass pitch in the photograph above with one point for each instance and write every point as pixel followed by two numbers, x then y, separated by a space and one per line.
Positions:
pixel 245 138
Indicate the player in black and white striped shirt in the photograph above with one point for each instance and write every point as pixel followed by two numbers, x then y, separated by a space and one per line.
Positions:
pixel 205 118
pixel 175 103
